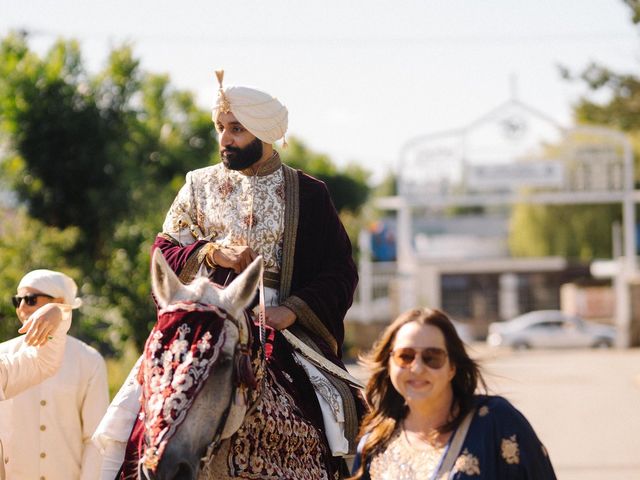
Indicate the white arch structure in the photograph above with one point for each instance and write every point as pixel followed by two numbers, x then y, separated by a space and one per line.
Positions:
pixel 537 161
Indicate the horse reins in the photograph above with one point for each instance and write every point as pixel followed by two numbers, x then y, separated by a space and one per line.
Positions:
pixel 244 381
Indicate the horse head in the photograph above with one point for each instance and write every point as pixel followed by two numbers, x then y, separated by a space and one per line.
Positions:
pixel 196 361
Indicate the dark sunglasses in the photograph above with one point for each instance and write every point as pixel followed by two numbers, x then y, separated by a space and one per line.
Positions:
pixel 432 357
pixel 30 299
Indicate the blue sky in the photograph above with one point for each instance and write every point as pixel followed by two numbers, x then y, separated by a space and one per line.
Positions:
pixel 360 77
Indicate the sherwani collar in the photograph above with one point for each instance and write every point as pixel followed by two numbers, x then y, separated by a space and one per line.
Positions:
pixel 272 165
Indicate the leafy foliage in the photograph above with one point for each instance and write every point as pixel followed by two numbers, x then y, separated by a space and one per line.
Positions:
pixel 348 188
pixel 101 155
pixel 571 231
pixel 621 108
pixel 584 231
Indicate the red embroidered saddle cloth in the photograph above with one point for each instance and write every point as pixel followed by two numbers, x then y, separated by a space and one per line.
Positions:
pixel 178 356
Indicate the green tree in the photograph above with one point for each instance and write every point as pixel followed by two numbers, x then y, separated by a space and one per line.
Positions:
pixel 584 232
pixel 621 109
pixel 348 187
pixel 571 231
pixel 62 140
pixel 104 155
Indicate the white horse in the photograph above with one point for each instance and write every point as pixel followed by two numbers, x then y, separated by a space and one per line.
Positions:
pixel 221 415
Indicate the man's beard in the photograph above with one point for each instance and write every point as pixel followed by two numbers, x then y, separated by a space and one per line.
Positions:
pixel 236 158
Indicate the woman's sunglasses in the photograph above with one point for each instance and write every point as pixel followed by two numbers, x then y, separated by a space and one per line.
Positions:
pixel 432 357
pixel 30 299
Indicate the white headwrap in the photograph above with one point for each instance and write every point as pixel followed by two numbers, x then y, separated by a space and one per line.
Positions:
pixel 56 284
pixel 260 113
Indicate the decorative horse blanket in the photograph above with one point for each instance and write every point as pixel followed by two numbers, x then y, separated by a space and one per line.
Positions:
pixel 281 437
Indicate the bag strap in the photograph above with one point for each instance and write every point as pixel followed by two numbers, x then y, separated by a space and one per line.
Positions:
pixel 454 448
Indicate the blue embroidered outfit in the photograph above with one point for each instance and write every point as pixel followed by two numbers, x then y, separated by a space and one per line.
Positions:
pixel 499 445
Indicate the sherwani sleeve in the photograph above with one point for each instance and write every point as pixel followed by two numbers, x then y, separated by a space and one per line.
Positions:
pixel 94 406
pixel 31 365
pixel 178 242
pixel 522 454
pixel 501 443
pixel 321 300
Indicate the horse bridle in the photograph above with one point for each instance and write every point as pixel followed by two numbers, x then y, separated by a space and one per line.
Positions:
pixel 245 381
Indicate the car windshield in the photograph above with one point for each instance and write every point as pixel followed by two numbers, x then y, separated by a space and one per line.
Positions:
pixel 547 325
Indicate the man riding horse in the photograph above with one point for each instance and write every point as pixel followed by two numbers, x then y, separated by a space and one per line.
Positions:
pixel 252 204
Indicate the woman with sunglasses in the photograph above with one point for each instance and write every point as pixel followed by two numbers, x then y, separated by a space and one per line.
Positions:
pixel 426 420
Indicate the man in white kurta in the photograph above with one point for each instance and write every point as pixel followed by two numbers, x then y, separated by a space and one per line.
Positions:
pixel 52 423
pixel 46 336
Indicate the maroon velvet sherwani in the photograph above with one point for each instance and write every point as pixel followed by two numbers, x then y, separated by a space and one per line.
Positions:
pixel 309 262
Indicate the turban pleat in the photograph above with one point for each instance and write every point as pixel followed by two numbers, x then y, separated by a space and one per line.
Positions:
pixel 260 113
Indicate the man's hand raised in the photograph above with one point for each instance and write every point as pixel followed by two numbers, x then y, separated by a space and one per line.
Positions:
pixel 41 324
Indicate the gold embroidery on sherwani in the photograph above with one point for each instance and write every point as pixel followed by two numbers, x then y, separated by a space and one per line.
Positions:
pixel 220 201
pixel 467 464
pixel 225 188
pixel 291 198
pixel 270 165
pixel 510 450
pixel 275 442
pixel 307 317
pixel 401 461
pixel 192 265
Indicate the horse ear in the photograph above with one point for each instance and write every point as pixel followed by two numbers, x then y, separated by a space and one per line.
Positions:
pixel 242 290
pixel 164 283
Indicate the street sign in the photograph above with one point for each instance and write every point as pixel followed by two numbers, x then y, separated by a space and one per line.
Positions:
pixel 512 176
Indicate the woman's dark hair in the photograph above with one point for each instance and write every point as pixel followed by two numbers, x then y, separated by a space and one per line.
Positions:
pixel 387 407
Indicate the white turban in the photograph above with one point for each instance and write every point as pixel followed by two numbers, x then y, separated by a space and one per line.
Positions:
pixel 260 113
pixel 56 284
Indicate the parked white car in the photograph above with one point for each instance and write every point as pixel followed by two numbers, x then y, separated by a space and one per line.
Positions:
pixel 550 329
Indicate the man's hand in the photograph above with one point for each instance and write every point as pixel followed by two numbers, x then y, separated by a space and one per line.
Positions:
pixel 279 317
pixel 42 323
pixel 237 258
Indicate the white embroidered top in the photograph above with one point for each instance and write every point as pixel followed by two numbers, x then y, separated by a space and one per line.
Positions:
pixel 402 461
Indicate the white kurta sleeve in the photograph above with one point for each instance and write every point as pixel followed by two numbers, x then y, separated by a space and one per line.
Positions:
pixel 31 365
pixel 94 407
pixel 114 429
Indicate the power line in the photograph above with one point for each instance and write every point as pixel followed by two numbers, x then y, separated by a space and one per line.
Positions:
pixel 333 41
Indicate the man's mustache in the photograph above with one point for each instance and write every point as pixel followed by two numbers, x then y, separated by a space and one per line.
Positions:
pixel 229 150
